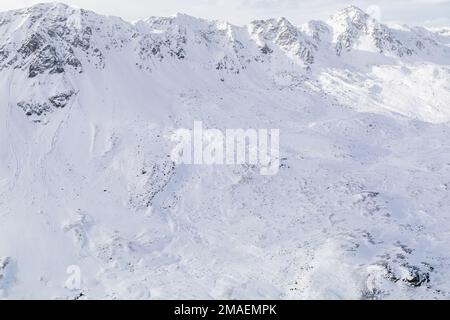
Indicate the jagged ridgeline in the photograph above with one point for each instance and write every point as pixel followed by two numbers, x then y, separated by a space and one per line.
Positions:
pixel 58 42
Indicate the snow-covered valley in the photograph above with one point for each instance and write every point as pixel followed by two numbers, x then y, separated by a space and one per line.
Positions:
pixel 360 208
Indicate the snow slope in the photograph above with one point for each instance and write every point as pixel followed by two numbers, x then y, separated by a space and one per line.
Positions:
pixel 359 209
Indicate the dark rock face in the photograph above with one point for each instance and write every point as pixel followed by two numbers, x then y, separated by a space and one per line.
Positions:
pixel 46 60
pixel 355 22
pixel 290 37
pixel 320 31
pixel 31 45
pixel 83 40
pixel 37 109
pixel 386 41
pixel 228 64
pixel 418 277
pixel 59 45
pixel 162 48
pixel 3 56
pixel 156 180
pixel 61 100
pixel 285 36
pixel 42 108
pixel 40 55
pixel 266 50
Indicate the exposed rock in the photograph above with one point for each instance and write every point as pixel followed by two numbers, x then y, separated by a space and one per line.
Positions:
pixel 34 43
pixel 61 100
pixel 33 108
pixel 266 49
pixel 6 275
pixel 417 276
pixel 155 182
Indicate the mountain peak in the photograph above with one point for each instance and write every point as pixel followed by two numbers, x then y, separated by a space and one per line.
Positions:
pixel 349 15
pixel 181 15
pixel 351 11
pixel 47 6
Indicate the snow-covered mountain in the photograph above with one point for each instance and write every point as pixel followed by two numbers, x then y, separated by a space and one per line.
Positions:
pixel 358 210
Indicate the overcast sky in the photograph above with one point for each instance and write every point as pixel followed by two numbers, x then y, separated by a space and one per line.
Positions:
pixel 416 12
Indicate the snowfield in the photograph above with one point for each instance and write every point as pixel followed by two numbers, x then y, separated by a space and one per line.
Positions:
pixel 360 208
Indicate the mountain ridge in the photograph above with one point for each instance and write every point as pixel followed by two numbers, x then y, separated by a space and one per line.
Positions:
pixel 69 39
